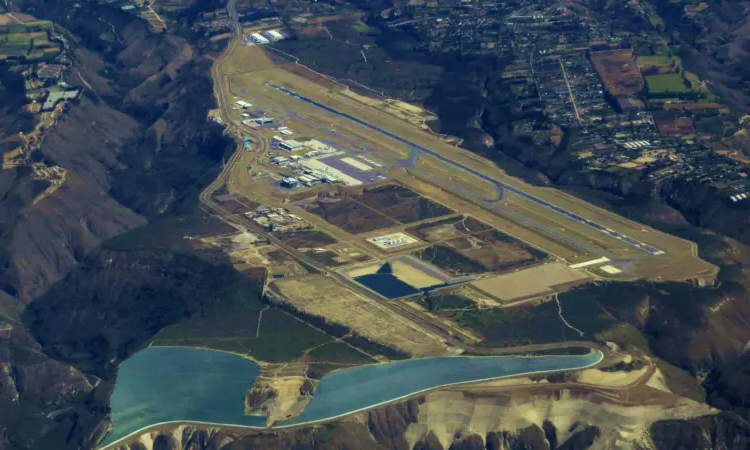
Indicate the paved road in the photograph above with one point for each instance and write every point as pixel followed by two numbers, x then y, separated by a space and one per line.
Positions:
pixel 232 11
pixel 571 215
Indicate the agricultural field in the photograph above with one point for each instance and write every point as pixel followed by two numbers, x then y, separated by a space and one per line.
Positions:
pixel 28 40
pixel 619 71
pixel 465 246
pixel 670 83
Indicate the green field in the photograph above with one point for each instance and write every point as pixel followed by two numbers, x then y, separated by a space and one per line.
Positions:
pixel 232 325
pixel 340 353
pixel 666 83
pixel 29 40
pixel 438 302
pixel 656 60
pixel 509 327
pixel 242 323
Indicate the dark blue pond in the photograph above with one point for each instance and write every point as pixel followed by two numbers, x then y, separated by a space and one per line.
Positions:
pixel 386 285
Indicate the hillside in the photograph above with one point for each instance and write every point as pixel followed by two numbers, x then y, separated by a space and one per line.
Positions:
pixel 134 146
pixel 91 271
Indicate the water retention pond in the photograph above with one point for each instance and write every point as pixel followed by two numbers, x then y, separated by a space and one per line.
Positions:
pixel 182 384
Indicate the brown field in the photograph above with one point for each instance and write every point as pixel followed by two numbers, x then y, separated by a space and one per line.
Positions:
pixel 366 210
pixel 283 264
pixel 682 126
pixel 236 207
pixel 305 238
pixel 696 107
pixel 466 246
pixel 655 65
pixel 619 71
pixel 494 251
pixel 334 17
pixel 350 215
pixel 448 228
pixel 537 281
pixel 629 103
pixel 245 253
pixel 323 296
pixel 401 203
pixel 6 18
pixel 327 257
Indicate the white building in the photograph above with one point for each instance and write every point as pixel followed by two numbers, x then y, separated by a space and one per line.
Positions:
pixel 259 39
pixel 275 35
pixel 290 144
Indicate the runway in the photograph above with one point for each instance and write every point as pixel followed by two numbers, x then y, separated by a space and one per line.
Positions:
pixel 501 186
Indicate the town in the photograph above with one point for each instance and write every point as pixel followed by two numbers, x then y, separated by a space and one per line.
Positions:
pixel 36 56
pixel 622 96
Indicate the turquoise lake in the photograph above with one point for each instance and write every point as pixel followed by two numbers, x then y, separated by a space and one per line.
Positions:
pixel 170 384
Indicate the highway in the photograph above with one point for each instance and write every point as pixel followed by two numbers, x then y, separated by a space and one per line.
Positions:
pixel 569 214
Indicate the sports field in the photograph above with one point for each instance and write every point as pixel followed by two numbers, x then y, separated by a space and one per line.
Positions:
pixel 666 83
